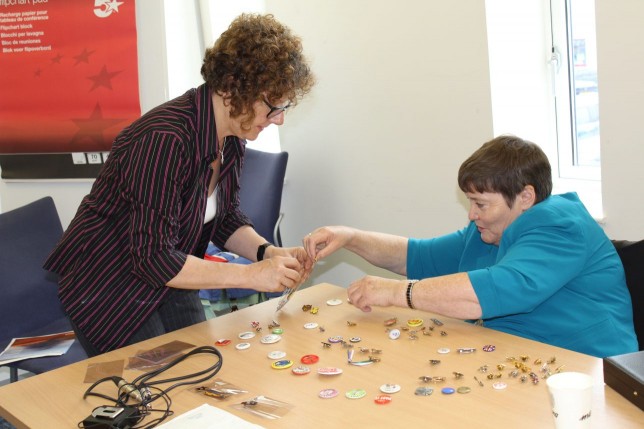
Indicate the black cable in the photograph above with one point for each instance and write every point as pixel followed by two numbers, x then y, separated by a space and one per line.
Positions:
pixel 144 390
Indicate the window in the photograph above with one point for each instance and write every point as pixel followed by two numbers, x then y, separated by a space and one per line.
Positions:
pixel 574 69
pixel 544 88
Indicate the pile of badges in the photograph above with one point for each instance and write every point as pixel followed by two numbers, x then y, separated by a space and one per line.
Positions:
pixel 413 329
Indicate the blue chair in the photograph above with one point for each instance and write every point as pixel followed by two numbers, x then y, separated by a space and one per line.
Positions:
pixel 30 304
pixel 261 184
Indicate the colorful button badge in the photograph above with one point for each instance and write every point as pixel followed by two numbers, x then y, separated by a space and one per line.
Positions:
pixel 282 364
pixel 356 393
pixel 328 393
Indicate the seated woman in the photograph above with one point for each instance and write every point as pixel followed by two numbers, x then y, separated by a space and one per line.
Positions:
pixel 528 263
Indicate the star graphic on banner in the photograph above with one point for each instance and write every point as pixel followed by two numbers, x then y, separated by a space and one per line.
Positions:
pixel 113 5
pixel 90 130
pixel 103 79
pixel 57 59
pixel 83 57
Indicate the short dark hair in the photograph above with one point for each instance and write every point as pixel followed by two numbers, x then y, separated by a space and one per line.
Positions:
pixel 256 57
pixel 506 165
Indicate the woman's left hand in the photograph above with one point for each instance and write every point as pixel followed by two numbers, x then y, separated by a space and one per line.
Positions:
pixel 306 263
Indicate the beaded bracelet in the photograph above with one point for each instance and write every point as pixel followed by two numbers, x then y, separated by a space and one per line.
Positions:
pixel 410 287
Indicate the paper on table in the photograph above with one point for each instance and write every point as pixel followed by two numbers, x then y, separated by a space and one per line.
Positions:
pixel 206 417
pixel 34 347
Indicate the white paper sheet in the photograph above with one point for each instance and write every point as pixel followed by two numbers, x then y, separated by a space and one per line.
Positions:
pixel 206 417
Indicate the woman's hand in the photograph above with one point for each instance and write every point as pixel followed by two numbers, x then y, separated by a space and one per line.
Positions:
pixel 372 291
pixel 306 263
pixel 324 241
pixel 276 273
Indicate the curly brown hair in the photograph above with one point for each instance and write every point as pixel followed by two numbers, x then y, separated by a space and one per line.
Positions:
pixel 256 57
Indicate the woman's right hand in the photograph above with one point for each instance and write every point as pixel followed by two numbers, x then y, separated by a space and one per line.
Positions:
pixel 275 274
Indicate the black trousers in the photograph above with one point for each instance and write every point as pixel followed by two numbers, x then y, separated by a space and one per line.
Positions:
pixel 180 309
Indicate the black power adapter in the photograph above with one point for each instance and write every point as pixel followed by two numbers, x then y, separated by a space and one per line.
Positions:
pixel 106 417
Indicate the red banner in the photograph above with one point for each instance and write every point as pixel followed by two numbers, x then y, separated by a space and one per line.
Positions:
pixel 68 74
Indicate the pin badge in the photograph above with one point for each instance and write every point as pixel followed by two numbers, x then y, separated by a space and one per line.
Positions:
pixel 356 393
pixel 270 339
pixel 282 364
pixel 424 391
pixel 413 323
pixel 390 388
pixel 329 371
pixel 382 399
pixel 276 354
pixel 301 370
pixel 328 393
pixel 309 359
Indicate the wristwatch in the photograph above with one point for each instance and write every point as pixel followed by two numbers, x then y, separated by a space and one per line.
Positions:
pixel 261 250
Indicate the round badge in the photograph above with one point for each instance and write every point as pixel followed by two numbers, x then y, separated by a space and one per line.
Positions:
pixel 355 339
pixel 414 323
pixel 447 390
pixel 276 354
pixel 301 370
pixel 246 335
pixel 270 339
pixel 424 391
pixel 222 342
pixel 282 364
pixel 390 388
pixel 489 348
pixel 328 393
pixel 394 334
pixel 242 346
pixel 382 399
pixel 499 385
pixel 329 371
pixel 278 331
pixel 443 350
pixel 334 302
pixel 309 359
pixel 464 389
pixel 310 325
pixel 356 393
pixel 336 339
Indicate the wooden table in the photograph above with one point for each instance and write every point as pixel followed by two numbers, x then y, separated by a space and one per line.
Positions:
pixel 55 399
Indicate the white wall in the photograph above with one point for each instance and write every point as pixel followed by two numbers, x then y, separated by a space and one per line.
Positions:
pixel 620 52
pixel 403 97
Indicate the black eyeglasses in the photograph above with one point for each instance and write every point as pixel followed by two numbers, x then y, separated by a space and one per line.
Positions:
pixel 275 110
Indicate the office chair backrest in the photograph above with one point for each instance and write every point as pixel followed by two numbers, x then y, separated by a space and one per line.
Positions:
pixel 632 255
pixel 262 180
pixel 29 293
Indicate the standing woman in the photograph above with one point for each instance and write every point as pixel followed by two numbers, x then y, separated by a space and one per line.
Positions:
pixel 131 261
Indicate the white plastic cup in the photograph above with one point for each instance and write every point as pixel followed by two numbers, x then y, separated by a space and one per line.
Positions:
pixel 571 395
